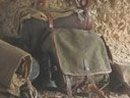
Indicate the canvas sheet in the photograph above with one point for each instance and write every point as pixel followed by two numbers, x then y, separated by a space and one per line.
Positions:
pixel 81 52
pixel 15 68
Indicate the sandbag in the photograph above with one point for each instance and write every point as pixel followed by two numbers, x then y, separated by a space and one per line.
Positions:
pixel 15 68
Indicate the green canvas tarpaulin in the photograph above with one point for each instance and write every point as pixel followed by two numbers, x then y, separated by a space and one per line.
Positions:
pixel 80 52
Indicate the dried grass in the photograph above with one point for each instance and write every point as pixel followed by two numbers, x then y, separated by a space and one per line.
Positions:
pixel 112 19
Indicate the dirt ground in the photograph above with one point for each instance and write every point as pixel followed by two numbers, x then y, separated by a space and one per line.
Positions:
pixel 119 96
pixel 59 95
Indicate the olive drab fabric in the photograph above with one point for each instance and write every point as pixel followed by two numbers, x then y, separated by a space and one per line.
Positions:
pixel 15 68
pixel 77 49
pixel 81 52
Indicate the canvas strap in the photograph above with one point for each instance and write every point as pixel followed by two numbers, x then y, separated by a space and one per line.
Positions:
pixel 93 87
pixel 69 87
pixel 44 4
pixel 50 19
pixel 108 49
